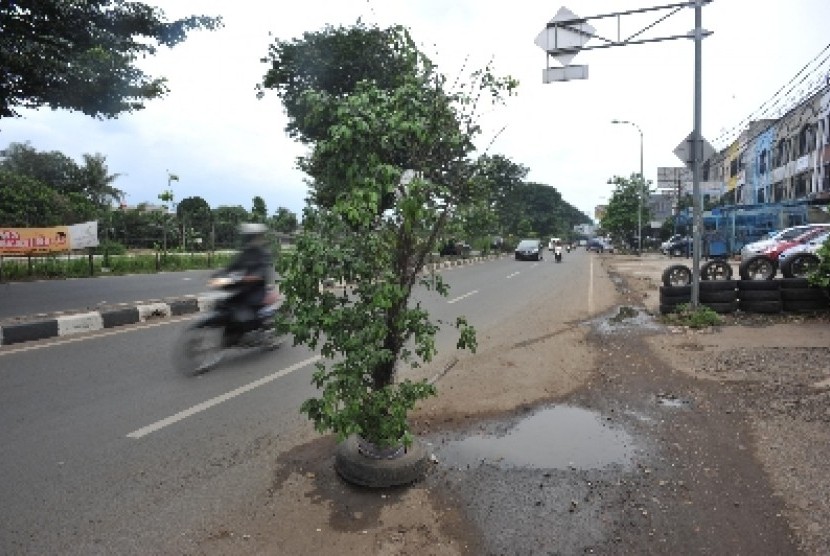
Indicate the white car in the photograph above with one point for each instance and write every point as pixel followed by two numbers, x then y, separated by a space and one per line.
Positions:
pixel 799 260
pixel 759 247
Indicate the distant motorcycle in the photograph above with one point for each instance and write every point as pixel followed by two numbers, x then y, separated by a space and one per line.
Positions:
pixel 227 326
pixel 557 253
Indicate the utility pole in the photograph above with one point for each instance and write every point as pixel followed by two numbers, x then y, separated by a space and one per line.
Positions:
pixel 565 36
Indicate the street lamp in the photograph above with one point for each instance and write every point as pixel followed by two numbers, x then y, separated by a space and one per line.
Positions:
pixel 639 190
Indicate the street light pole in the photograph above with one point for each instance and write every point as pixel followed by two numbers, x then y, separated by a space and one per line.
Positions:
pixel 639 189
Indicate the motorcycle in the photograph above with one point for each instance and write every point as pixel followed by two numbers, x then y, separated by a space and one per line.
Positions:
pixel 557 253
pixel 227 326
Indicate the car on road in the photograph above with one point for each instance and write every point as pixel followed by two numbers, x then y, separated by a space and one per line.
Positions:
pixel 529 250
pixel 599 245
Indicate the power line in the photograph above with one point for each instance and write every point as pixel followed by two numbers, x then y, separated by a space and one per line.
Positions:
pixel 761 113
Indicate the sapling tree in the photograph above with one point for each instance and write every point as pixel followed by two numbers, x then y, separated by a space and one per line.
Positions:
pixel 395 163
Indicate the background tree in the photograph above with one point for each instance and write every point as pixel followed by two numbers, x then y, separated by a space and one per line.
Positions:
pixel 620 219
pixel 57 190
pixel 259 211
pixel 195 216
pixel 81 55
pixel 284 221
pixel 226 220
pixel 94 181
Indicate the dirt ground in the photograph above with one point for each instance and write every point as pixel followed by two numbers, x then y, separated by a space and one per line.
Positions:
pixel 730 426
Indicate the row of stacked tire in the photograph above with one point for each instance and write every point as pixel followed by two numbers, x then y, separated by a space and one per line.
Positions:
pixel 794 295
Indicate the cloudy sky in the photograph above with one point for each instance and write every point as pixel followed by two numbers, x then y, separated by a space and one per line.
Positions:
pixel 228 146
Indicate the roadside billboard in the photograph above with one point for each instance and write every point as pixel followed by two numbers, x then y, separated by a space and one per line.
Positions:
pixel 57 239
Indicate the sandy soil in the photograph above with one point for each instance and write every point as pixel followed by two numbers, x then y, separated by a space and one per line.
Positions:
pixel 737 462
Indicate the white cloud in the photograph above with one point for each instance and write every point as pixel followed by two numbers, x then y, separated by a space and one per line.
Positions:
pixel 227 146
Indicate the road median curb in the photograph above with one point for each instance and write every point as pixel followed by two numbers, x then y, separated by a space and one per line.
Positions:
pixel 42 328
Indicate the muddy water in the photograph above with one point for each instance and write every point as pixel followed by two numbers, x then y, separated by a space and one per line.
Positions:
pixel 558 437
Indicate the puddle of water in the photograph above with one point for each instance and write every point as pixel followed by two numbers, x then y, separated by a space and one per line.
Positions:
pixel 622 319
pixel 560 437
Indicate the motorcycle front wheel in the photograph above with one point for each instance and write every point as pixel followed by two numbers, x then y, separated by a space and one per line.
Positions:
pixel 198 349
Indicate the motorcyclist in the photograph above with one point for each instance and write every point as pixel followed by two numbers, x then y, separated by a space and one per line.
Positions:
pixel 256 266
pixel 557 251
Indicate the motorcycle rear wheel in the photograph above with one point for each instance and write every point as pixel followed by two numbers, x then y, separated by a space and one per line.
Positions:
pixel 198 349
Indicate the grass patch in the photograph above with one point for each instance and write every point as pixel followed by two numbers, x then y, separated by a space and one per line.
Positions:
pixel 685 315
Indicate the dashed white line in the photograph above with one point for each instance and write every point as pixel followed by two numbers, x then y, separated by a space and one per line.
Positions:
pixel 158 425
pixel 509 276
pixel 451 301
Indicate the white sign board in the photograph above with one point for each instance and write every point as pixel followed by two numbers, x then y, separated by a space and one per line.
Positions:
pixel 684 151
pixel 83 235
pixel 554 38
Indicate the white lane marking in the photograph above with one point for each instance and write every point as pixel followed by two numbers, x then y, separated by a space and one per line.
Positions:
pixel 451 301
pixel 509 276
pixel 198 408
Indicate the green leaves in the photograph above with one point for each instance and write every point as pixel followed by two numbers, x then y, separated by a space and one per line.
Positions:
pixel 390 162
pixel 81 55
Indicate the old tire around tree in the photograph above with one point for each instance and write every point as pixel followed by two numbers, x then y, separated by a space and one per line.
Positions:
pixel 716 270
pixel 759 267
pixel 677 275
pixel 356 468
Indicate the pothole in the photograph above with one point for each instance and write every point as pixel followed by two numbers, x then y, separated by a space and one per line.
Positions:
pixel 559 437
pixel 670 400
pixel 624 319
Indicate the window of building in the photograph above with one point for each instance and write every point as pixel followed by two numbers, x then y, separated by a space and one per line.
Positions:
pixel 733 168
pixel 762 162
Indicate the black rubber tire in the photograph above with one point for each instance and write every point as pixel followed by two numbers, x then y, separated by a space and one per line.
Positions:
pixel 671 300
pixel 198 349
pixel 759 267
pixel 722 308
pixel 803 294
pixel 675 291
pixel 677 275
pixel 716 270
pixel 806 305
pixel 794 283
pixel 718 296
pixel 358 469
pixel 751 296
pixel 768 307
pixel 718 285
pixel 668 309
pixel 800 265
pixel 756 285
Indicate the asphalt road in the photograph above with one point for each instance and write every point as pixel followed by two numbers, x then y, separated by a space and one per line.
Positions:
pixel 107 450
pixel 49 296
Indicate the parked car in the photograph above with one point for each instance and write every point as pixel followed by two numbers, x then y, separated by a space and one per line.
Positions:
pixel 798 261
pixel 681 247
pixel 764 265
pixel 529 250
pixel 454 248
pixel 599 245
pixel 665 245
pixel 758 247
